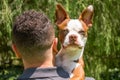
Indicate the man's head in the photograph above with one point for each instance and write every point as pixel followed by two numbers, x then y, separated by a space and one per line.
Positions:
pixel 32 34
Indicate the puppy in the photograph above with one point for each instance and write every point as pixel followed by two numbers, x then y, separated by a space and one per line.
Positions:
pixel 73 36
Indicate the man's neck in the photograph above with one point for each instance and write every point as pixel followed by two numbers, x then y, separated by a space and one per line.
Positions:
pixel 43 62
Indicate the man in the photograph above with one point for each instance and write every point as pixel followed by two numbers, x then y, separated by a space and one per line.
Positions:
pixel 34 42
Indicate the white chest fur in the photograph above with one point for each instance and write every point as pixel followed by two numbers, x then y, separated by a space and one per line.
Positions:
pixel 67 56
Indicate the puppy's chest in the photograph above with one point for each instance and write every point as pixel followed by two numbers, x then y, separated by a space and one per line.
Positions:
pixel 67 57
pixel 70 53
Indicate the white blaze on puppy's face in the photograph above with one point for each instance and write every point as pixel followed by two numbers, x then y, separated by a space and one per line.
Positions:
pixel 74 27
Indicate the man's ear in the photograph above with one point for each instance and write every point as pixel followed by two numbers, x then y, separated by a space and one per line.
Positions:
pixel 54 46
pixel 14 48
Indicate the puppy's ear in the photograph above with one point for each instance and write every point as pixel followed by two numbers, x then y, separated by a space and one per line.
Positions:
pixel 61 14
pixel 87 15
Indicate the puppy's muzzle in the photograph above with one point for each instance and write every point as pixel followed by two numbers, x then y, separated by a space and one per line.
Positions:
pixel 73 39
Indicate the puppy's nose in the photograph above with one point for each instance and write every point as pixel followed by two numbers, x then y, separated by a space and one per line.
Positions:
pixel 72 38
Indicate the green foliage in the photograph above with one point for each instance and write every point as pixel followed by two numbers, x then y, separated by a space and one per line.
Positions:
pixel 103 46
pixel 10 73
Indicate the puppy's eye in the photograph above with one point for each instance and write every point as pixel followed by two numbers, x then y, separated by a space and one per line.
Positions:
pixel 65 31
pixel 82 32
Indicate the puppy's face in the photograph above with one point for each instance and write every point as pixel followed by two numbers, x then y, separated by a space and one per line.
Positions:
pixel 73 32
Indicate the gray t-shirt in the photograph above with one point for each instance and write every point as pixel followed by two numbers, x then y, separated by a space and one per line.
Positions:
pixel 44 74
pixel 55 73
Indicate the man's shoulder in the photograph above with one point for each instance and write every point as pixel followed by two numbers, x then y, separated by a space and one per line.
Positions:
pixel 44 74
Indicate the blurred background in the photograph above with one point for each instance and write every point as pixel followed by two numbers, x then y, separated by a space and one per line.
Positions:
pixel 102 51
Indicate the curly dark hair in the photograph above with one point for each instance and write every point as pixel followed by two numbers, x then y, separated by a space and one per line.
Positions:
pixel 32 31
